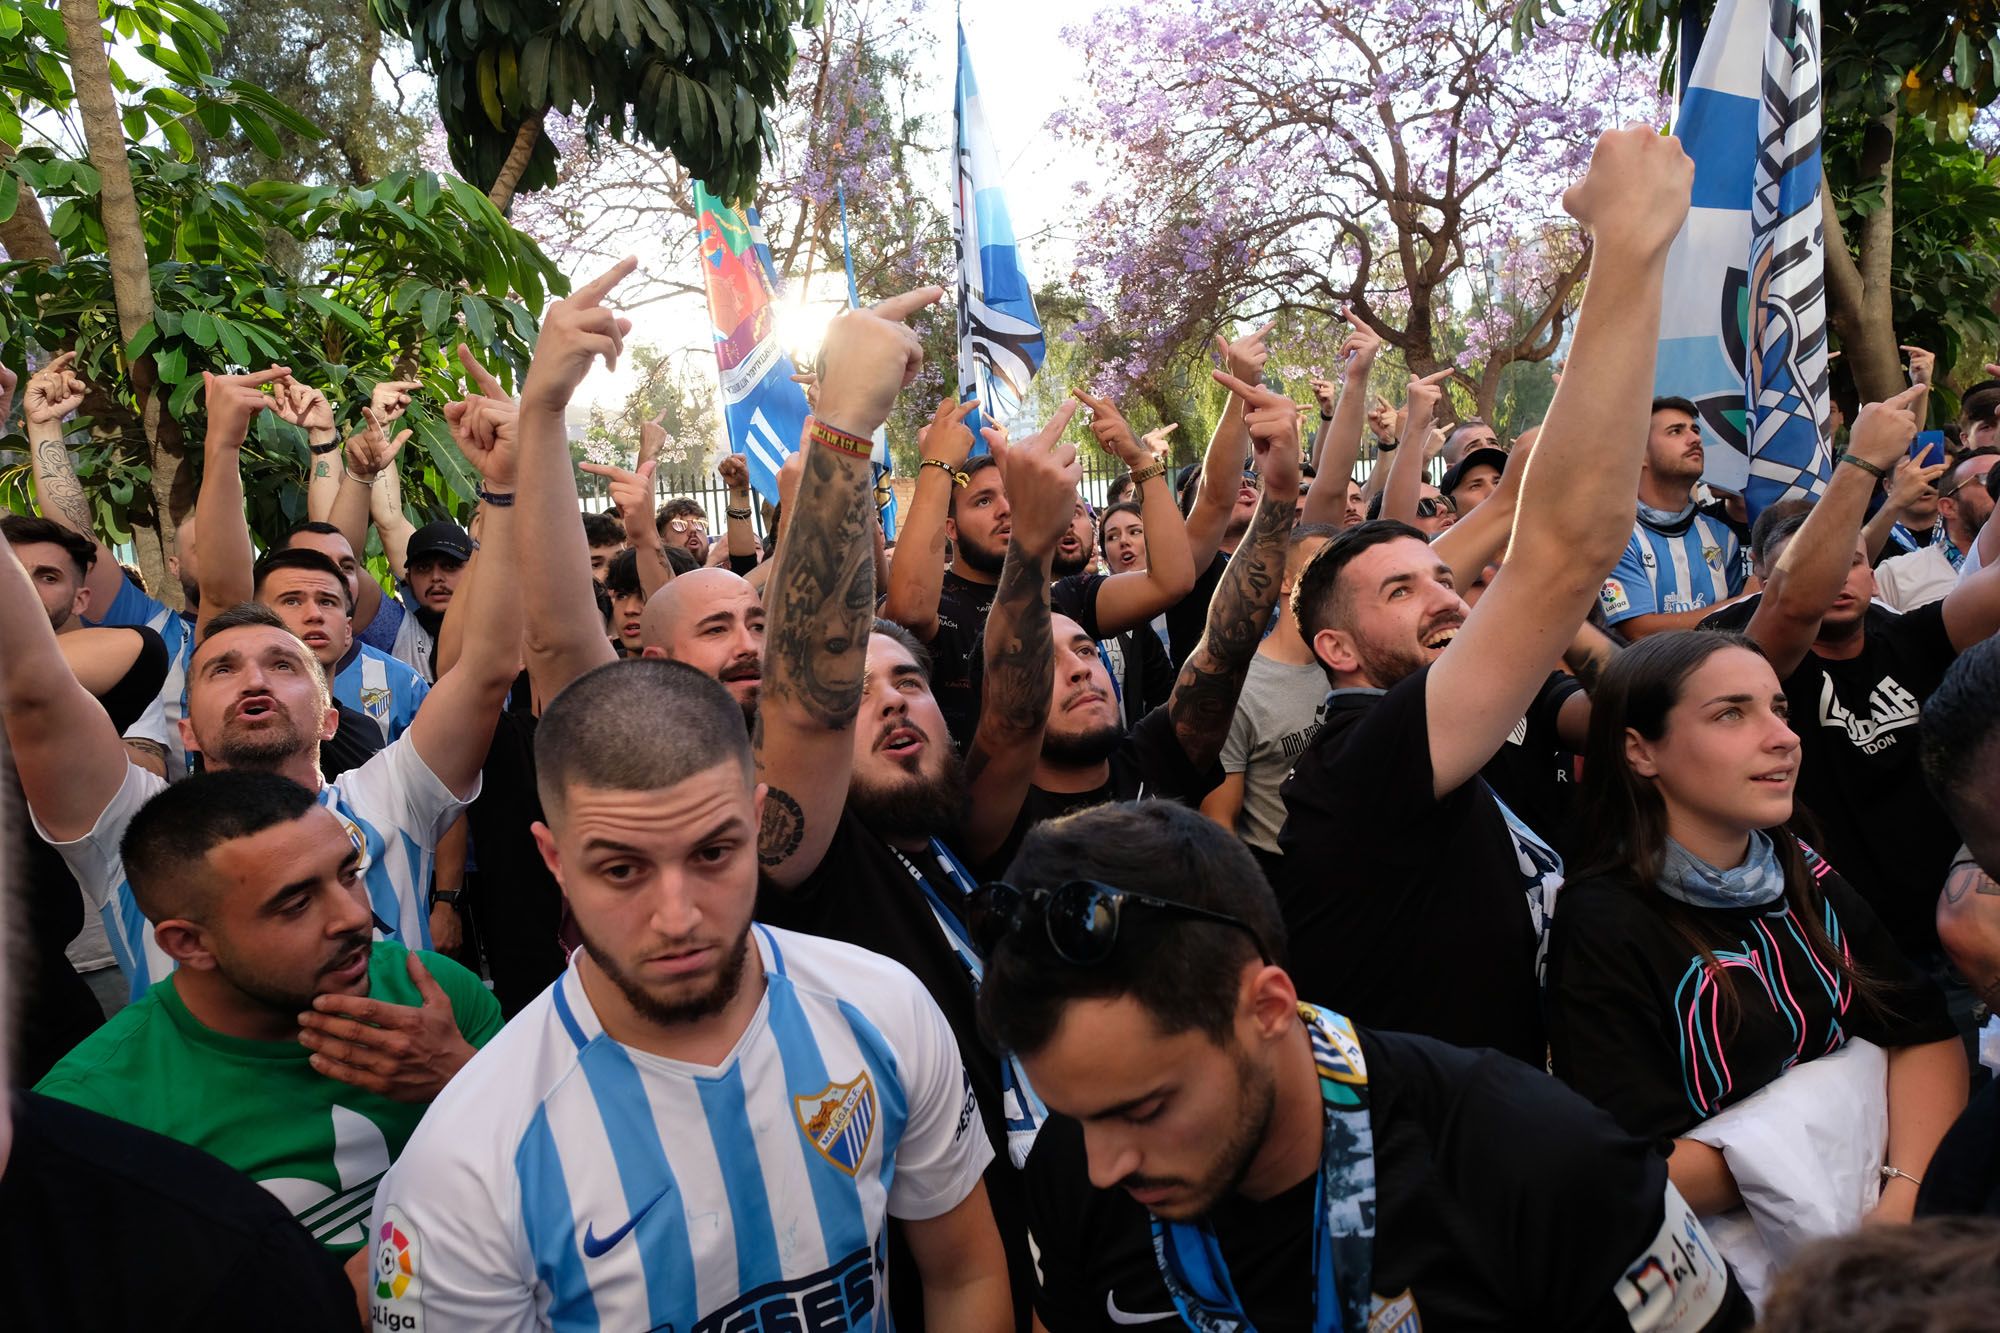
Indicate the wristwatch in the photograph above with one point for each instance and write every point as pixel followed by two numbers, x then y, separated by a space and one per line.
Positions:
pixel 449 897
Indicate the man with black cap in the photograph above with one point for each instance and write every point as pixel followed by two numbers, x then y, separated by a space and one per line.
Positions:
pixel 437 555
pixel 1474 477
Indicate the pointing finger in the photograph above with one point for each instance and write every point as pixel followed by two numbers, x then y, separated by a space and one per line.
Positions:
pixel 598 287
pixel 1060 421
pixel 1094 403
pixel 479 374
pixel 901 307
pixel 263 377
pixel 1231 383
pixel 1264 332
pixel 1436 375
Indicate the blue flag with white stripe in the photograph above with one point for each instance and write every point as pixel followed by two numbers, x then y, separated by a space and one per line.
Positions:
pixel 1743 333
pixel 1000 344
pixel 765 411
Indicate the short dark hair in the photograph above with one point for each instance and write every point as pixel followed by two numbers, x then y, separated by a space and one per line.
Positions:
pixel 973 467
pixel 1316 599
pixel 26 529
pixel 168 839
pixel 1776 524
pixel 1940 1274
pixel 1980 402
pixel 621 575
pixel 1960 726
pixel 298 557
pixel 1675 403
pixel 637 725
pixel 315 526
pixel 603 530
pixel 681 560
pixel 910 642
pixel 1183 973
pixel 241 614
pixel 678 507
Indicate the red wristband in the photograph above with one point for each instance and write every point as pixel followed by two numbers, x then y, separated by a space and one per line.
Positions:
pixel 854 446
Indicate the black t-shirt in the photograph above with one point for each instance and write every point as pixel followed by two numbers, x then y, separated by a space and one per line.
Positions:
pixel 1503 1202
pixel 1187 618
pixel 1860 771
pixel 958 646
pixel 1149 763
pixel 863 894
pixel 354 744
pixel 516 904
pixel 1963 1178
pixel 106 1226
pixel 1403 910
pixel 1534 772
pixel 1632 1028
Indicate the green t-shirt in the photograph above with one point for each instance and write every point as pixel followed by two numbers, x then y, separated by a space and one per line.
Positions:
pixel 318 1144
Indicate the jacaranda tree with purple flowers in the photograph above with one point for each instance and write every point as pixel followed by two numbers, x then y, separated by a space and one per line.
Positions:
pixel 1395 156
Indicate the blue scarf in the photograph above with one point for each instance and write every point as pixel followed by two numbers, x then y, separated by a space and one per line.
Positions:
pixel 1190 1258
pixel 1758 882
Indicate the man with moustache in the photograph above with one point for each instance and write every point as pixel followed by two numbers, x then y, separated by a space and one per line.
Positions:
pixel 255 889
pixel 713 620
pixel 965 499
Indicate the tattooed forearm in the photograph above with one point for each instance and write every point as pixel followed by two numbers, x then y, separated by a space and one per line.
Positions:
pixel 822 594
pixel 1966 877
pixel 1588 654
pixel 56 486
pixel 1204 697
pixel 782 828
pixel 1020 654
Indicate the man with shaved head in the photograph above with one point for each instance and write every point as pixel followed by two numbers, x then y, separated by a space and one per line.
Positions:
pixel 713 620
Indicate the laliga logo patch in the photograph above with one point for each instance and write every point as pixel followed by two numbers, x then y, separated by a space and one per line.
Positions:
pixel 839 1120
pixel 396 1282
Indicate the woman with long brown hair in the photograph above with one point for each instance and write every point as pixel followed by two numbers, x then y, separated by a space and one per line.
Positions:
pixel 1703 951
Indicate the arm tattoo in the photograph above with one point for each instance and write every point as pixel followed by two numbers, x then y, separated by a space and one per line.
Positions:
pixel 1204 697
pixel 322 468
pixel 822 594
pixel 1966 877
pixel 783 828
pixel 1020 658
pixel 58 489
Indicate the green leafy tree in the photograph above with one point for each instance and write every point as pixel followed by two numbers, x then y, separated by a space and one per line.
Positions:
pixel 697 79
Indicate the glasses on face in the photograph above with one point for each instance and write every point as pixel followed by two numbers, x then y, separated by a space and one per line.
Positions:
pixel 1433 505
pixel 683 525
pixel 1079 919
pixel 1969 476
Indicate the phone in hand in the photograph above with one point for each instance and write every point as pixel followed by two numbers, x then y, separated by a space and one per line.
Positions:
pixel 1928 448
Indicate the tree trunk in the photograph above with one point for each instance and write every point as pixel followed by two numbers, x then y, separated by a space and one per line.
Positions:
pixel 26 235
pixel 125 248
pixel 502 193
pixel 1859 302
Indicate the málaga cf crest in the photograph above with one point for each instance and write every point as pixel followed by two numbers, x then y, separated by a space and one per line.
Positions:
pixel 839 1119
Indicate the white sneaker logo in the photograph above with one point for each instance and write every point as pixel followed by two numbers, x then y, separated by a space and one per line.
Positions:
pixel 1119 1316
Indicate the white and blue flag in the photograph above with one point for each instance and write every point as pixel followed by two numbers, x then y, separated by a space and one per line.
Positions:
pixel 1743 333
pixel 1000 343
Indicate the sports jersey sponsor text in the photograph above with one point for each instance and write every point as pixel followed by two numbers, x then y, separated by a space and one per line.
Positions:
pixel 837 1297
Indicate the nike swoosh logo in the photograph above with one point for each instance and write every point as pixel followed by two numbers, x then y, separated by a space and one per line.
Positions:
pixel 596 1248
pixel 1119 1316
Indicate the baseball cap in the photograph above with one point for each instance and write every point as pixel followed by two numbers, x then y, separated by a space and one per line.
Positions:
pixel 443 538
pixel 1485 455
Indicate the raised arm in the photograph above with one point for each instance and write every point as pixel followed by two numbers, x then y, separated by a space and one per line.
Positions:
pixel 222 528
pixel 1338 447
pixel 564 636
pixel 1041 474
pixel 1809 575
pixel 1909 482
pixel 453 728
pixel 820 600
pixel 1406 470
pixel 1126 601
pixel 1480 537
pixel 53 393
pixel 70 759
pixel 1204 697
pixel 916 576
pixel 632 492
pixel 1575 512
pixel 1228 450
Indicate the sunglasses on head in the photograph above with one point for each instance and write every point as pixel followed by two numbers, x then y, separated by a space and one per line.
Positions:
pixel 1079 919
pixel 1433 505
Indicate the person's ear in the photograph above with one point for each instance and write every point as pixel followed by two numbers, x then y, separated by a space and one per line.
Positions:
pixel 1335 650
pixel 1639 754
pixel 329 723
pixel 186 942
pixel 545 843
pixel 79 605
pixel 1270 1002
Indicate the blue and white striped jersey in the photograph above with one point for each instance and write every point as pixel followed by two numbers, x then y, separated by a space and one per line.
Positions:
pixel 383 688
pixel 566 1181
pixel 1668 572
pixel 133 606
pixel 394 808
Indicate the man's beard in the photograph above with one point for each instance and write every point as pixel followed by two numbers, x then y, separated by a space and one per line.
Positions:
pixel 1239 1149
pixel 919 806
pixel 274 993
pixel 1062 568
pixel 987 560
pixel 1383 665
pixel 674 1013
pixel 744 668
pixel 57 619
pixel 261 751
pixel 1082 748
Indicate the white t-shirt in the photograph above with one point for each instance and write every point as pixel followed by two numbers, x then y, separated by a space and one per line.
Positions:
pixel 563 1180
pixel 394 808
pixel 1916 578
